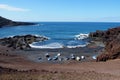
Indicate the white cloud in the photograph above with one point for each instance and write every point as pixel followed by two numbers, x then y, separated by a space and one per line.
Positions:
pixel 11 8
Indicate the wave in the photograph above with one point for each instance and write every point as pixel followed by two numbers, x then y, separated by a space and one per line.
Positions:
pixel 77 46
pixel 41 36
pixel 54 45
pixel 81 36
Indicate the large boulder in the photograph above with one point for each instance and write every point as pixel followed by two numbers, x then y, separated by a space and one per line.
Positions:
pixel 21 42
pixel 111 39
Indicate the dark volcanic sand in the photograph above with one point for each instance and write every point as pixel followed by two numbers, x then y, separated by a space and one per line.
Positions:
pixel 35 54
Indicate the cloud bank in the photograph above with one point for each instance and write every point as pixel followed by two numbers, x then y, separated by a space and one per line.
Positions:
pixel 11 8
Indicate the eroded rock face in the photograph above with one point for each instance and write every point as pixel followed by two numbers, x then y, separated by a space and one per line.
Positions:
pixel 7 22
pixel 111 39
pixel 21 42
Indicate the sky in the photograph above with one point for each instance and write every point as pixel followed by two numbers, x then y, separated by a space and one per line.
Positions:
pixel 61 10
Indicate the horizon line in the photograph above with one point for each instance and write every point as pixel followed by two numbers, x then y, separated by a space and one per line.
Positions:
pixel 77 21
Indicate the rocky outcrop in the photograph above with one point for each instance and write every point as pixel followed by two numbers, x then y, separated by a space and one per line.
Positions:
pixel 21 42
pixel 111 39
pixel 7 22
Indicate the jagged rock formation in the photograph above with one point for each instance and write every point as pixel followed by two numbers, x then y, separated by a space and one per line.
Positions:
pixel 21 42
pixel 111 39
pixel 7 22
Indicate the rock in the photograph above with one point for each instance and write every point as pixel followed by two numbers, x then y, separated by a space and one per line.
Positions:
pixel 111 39
pixel 21 42
pixel 78 58
pixel 94 57
pixel 58 54
pixel 82 57
pixel 98 35
pixel 39 58
pixel 7 22
pixel 47 55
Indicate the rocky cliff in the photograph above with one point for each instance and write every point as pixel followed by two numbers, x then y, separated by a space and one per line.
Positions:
pixel 7 22
pixel 21 42
pixel 111 39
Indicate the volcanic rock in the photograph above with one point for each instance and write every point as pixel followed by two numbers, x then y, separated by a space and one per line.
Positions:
pixel 111 39
pixel 21 42
pixel 7 22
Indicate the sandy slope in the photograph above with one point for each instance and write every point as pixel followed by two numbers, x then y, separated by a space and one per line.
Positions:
pixel 71 70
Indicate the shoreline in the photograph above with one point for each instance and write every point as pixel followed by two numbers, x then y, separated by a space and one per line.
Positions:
pixel 90 53
pixel 20 45
pixel 39 55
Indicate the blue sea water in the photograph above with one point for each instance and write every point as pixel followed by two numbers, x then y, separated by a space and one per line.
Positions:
pixel 59 33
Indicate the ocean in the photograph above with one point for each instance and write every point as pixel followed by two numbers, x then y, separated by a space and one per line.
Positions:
pixel 60 34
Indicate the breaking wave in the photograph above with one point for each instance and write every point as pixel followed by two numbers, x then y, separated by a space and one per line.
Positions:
pixel 81 36
pixel 76 46
pixel 55 45
pixel 47 46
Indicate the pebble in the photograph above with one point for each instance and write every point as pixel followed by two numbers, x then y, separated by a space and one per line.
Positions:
pixel 47 55
pixel 78 58
pixel 82 57
pixel 93 57
pixel 58 54
pixel 39 58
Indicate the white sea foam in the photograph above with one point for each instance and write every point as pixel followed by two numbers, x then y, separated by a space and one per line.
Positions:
pixel 55 45
pixel 76 46
pixel 81 36
pixel 48 46
pixel 41 36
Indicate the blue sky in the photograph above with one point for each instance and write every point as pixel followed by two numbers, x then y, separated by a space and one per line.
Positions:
pixel 61 10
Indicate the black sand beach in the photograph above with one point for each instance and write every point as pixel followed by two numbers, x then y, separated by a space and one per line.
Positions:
pixel 39 55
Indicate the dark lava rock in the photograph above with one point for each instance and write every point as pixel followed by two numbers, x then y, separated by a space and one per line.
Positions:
pixel 111 39
pixel 7 22
pixel 21 42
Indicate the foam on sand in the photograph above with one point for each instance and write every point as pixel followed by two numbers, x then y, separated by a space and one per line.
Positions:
pixel 76 46
pixel 54 45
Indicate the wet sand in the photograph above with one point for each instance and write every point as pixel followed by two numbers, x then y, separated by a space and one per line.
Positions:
pixel 38 55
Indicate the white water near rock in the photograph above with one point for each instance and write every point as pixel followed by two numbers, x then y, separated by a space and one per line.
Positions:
pixel 81 36
pixel 69 44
